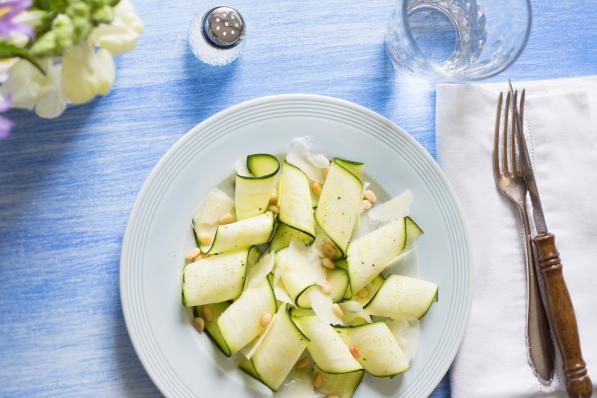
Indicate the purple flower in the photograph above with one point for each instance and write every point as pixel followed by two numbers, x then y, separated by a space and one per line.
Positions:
pixel 5 123
pixel 10 9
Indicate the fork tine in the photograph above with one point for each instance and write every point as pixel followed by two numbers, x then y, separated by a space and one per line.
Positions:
pixel 496 138
pixel 522 145
pixel 521 111
pixel 518 120
pixel 505 168
pixel 513 157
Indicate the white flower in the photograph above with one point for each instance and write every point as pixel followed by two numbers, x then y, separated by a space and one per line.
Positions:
pixel 53 103
pixel 31 18
pixel 18 39
pixel 87 73
pixel 30 89
pixel 5 65
pixel 122 34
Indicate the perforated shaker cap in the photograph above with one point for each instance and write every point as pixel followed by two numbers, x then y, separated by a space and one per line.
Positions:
pixel 223 27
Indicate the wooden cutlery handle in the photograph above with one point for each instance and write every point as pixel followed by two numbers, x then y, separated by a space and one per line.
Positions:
pixel 562 318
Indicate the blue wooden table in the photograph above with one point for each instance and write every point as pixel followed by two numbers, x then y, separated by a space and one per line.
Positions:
pixel 67 185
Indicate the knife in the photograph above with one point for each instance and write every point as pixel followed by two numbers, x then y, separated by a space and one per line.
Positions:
pixel 540 344
pixel 557 301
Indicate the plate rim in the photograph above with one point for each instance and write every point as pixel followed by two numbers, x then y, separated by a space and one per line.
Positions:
pixel 455 203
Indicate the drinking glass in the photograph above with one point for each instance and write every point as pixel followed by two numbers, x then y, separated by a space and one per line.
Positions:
pixel 457 40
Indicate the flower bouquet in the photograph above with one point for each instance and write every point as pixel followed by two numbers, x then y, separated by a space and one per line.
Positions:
pixel 56 52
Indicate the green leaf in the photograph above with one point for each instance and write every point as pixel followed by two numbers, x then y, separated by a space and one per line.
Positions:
pixel 8 51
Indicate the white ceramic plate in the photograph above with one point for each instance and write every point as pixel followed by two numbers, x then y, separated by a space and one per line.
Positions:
pixel 184 363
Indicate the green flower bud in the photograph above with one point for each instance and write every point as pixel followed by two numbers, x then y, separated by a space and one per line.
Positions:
pixel 61 21
pixel 82 28
pixel 45 23
pixel 79 9
pixel 36 18
pixel 103 14
pixel 95 3
pixel 44 45
pixel 63 30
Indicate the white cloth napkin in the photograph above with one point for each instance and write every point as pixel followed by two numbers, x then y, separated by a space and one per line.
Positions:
pixel 561 129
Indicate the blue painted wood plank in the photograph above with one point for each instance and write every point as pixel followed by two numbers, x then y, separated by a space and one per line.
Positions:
pixel 67 185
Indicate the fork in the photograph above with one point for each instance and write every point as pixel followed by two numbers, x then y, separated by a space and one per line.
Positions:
pixel 508 175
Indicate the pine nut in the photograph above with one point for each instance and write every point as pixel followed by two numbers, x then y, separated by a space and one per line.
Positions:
pixel 302 363
pixel 273 199
pixel 328 263
pixel 325 172
pixel 316 188
pixel 192 254
pixel 370 196
pixel 363 293
pixel 274 209
pixel 367 205
pixel 199 324
pixel 326 288
pixel 337 310
pixel 266 319
pixel 205 239
pixel 328 249
pixel 355 351
pixel 207 314
pixel 226 219
pixel 317 380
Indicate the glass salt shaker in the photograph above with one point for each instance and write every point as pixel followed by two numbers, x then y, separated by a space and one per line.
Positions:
pixel 216 37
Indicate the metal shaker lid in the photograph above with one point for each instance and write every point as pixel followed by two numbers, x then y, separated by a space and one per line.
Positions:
pixel 223 27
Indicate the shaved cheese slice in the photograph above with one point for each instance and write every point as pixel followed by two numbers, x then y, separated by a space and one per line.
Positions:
pixel 411 250
pixel 366 186
pixel 279 259
pixel 407 334
pixel 315 263
pixel 240 166
pixel 279 289
pixel 353 310
pixel 408 261
pixel 260 270
pixel 250 348
pixel 281 293
pixel 310 163
pixel 393 209
pixel 322 306
pixel 214 206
